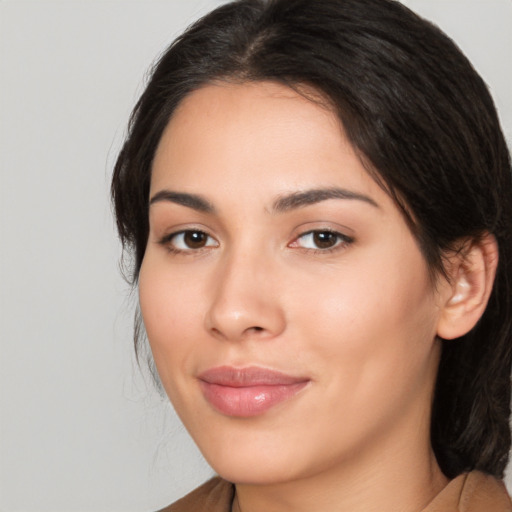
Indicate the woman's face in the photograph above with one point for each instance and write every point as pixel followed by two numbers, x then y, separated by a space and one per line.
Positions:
pixel 288 307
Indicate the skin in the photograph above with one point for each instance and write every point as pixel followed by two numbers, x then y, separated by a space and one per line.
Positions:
pixel 358 320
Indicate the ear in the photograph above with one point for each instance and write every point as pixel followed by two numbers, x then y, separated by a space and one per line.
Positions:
pixel 464 296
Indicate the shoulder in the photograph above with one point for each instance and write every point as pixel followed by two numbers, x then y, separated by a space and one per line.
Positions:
pixel 483 492
pixel 472 492
pixel 215 495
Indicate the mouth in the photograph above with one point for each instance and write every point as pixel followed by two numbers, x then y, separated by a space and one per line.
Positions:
pixel 247 392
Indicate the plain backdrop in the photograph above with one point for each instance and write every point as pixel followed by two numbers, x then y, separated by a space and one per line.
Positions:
pixel 81 429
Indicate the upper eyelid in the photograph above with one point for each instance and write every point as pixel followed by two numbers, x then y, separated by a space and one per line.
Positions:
pixel 169 236
pixel 182 228
pixel 341 235
pixel 318 226
pixel 323 230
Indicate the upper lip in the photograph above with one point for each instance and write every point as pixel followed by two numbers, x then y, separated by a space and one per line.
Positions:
pixel 247 377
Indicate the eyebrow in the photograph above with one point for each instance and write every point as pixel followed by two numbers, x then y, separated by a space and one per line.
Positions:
pixel 194 201
pixel 283 204
pixel 309 197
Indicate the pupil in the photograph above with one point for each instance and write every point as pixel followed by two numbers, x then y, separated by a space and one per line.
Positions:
pixel 195 239
pixel 324 239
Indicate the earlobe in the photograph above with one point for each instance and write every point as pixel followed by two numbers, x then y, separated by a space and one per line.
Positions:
pixel 471 271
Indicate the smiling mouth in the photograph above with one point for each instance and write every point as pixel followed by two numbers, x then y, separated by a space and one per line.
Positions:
pixel 246 392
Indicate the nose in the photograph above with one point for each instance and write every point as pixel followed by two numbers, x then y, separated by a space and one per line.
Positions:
pixel 245 303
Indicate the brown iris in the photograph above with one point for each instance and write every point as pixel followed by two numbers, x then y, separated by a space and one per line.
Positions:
pixel 325 239
pixel 195 239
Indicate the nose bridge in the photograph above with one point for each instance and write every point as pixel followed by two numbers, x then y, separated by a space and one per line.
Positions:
pixel 243 303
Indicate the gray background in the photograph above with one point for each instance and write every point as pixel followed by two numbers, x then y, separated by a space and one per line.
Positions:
pixel 80 428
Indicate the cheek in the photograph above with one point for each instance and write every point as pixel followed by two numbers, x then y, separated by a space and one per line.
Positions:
pixel 169 307
pixel 375 322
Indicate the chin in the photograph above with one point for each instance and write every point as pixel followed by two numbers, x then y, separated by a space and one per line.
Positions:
pixel 255 472
pixel 263 458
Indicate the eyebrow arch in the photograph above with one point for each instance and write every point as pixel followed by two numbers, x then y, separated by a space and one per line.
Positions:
pixel 309 197
pixel 193 201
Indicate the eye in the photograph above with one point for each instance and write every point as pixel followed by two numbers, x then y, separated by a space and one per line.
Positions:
pixel 321 240
pixel 189 240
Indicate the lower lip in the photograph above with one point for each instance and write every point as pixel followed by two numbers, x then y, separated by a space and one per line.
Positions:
pixel 248 401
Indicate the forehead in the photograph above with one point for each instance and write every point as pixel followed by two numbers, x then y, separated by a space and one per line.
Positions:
pixel 259 109
pixel 259 132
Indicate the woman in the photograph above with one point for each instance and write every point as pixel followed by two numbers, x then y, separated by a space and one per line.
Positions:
pixel 317 197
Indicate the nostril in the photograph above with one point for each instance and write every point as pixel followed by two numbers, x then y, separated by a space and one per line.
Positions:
pixel 256 328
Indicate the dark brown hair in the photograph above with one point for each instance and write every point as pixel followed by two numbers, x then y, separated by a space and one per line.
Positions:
pixel 425 125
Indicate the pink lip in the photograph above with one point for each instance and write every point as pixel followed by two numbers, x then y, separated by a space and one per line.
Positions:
pixel 246 392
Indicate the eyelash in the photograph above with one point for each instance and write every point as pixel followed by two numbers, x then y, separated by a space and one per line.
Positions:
pixel 342 241
pixel 167 241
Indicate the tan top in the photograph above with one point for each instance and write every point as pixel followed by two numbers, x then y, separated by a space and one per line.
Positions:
pixel 471 492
